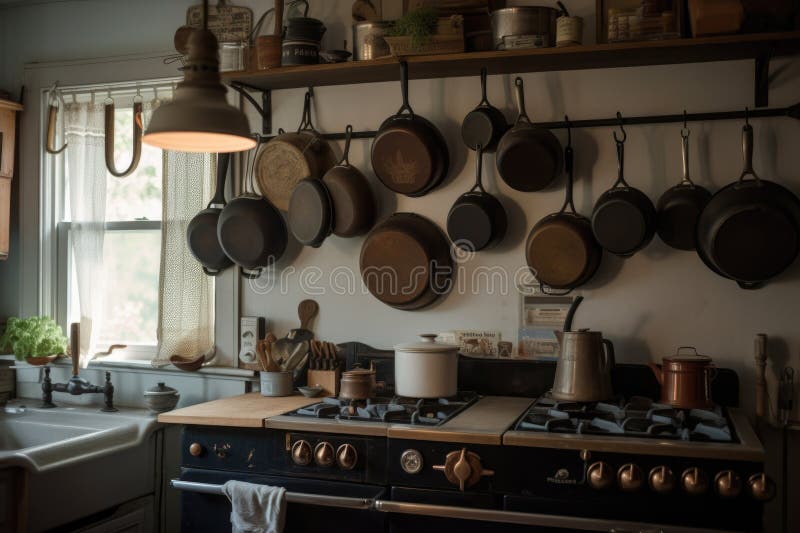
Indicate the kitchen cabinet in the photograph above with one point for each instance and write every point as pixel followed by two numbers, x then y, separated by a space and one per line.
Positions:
pixel 8 137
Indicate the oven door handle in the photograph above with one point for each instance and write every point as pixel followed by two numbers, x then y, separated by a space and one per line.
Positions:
pixel 530 519
pixel 291 497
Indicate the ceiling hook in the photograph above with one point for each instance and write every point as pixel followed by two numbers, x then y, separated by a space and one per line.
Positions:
pixel 622 129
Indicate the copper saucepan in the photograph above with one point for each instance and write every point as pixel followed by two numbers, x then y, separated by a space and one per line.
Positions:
pixel 685 379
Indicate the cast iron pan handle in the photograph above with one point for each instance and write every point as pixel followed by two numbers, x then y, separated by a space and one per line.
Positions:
pixel 747 153
pixel 305 120
pixel 520 102
pixel 218 200
pixel 484 100
pixel 404 88
pixel 348 134
pixel 620 164
pixel 478 170
pixel 685 155
pixel 569 167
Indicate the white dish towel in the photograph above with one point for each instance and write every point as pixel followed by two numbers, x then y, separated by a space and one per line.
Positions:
pixel 256 508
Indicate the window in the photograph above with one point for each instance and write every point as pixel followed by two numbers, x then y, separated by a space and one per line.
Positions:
pixel 131 239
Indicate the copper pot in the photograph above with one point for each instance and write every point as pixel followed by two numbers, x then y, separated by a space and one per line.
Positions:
pixel 359 384
pixel 685 379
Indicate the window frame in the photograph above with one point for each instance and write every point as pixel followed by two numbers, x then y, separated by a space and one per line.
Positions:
pixel 37 246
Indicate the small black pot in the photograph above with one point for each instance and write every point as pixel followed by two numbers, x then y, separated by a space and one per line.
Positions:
pixel 484 125
pixel 300 53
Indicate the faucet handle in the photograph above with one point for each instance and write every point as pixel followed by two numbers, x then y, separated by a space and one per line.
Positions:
pixel 75 345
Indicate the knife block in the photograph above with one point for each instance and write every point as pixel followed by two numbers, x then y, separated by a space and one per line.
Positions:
pixel 327 379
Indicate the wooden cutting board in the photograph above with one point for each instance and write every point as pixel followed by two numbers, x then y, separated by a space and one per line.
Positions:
pixel 244 411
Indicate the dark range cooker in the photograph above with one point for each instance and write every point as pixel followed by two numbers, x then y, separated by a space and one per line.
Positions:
pixel 485 462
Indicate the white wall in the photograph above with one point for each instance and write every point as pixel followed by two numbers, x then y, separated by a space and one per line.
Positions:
pixel 648 304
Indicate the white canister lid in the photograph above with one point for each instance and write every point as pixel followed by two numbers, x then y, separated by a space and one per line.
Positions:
pixel 426 344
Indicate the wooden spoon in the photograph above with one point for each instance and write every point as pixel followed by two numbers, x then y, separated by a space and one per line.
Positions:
pixel 307 310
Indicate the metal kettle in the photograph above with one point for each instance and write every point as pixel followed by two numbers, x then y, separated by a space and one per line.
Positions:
pixel 583 371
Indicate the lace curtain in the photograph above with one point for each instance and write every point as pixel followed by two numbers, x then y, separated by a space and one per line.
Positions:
pixel 186 294
pixel 86 170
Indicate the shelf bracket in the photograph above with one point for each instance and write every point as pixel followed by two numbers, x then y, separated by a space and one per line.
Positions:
pixel 761 79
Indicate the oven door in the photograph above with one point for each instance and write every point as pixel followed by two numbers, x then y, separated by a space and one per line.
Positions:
pixel 312 505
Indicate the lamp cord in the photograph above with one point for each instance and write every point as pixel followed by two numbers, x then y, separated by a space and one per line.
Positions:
pixel 205 14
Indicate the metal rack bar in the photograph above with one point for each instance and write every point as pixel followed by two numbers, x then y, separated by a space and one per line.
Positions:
pixel 791 111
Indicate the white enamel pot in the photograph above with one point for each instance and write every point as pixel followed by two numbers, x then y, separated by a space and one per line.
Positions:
pixel 426 369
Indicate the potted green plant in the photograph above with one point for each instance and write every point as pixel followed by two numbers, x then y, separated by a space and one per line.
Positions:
pixel 422 31
pixel 38 340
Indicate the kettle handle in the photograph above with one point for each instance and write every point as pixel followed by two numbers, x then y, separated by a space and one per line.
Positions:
pixel 657 372
pixel 609 361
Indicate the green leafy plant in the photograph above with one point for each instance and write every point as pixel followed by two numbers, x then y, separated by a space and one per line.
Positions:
pixel 33 337
pixel 418 24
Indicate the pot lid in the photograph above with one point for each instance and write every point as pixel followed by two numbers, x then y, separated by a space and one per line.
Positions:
pixel 160 390
pixel 687 354
pixel 427 344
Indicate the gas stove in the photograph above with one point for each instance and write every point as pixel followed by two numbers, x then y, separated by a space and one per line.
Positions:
pixel 634 417
pixel 485 463
pixel 395 410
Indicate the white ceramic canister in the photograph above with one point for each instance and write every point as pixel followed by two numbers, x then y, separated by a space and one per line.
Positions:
pixel 426 369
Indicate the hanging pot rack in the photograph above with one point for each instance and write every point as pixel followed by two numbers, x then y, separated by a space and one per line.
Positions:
pixel 792 111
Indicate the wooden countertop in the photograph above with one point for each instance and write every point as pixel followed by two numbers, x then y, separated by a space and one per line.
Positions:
pixel 244 411
pixel 482 423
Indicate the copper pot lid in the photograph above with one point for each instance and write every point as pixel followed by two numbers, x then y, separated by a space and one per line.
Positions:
pixel 687 355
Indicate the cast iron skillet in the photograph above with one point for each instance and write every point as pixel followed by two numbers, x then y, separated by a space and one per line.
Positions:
pixel 529 158
pixel 310 212
pixel 477 220
pixel 409 154
pixel 485 124
pixel 353 202
pixel 406 262
pixel 679 207
pixel 251 230
pixel 561 250
pixel 750 229
pixel 624 218
pixel 201 233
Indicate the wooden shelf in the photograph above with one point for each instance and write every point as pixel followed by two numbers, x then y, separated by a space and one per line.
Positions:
pixel 729 47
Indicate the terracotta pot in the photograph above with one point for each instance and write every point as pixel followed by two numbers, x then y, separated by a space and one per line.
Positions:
pixel 685 379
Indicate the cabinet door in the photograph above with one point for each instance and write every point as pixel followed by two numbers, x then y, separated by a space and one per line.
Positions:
pixel 5 215
pixel 8 129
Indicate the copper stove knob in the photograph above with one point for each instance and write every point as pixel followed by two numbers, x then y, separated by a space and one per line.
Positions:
pixel 694 481
pixel 599 475
pixel 761 487
pixel 662 480
pixel 324 454
pixel 346 457
pixel 196 449
pixel 728 484
pixel 630 477
pixel 463 468
pixel 301 453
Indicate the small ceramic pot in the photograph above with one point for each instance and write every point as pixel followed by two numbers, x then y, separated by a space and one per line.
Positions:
pixel 276 384
pixel 161 398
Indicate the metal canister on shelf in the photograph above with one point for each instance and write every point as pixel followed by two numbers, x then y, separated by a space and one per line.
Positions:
pixel 523 27
pixel 569 31
pixel 368 41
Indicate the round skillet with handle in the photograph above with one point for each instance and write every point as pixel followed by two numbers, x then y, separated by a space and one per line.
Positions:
pixel 353 201
pixel 485 125
pixel 528 157
pixel 750 229
pixel 624 218
pixel 251 230
pixel 201 233
pixel 561 250
pixel 680 206
pixel 477 220
pixel 409 154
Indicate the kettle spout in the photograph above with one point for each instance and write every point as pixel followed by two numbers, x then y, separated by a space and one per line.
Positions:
pixel 657 372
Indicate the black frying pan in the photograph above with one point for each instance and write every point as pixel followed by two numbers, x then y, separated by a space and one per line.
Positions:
pixel 624 218
pixel 679 207
pixel 484 125
pixel 251 230
pixel 310 212
pixel 561 250
pixel 477 220
pixel 528 157
pixel 201 233
pixel 750 229
pixel 409 154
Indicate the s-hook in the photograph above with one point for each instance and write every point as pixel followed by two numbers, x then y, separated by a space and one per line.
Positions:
pixel 54 100
pixel 109 136
pixel 622 129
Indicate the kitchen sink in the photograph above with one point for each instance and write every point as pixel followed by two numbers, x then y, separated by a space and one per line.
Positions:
pixel 41 439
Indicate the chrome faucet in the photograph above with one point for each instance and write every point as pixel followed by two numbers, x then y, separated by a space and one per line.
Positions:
pixel 76 384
